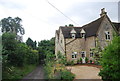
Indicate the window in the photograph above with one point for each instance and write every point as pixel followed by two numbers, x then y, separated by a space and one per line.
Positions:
pixel 73 36
pixel 74 55
pixel 91 54
pixel 83 54
pixel 107 35
pixel 83 35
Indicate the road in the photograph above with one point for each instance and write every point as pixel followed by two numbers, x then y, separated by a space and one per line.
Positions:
pixel 36 75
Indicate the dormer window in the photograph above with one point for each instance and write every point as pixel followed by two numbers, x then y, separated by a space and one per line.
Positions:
pixel 83 33
pixel 107 35
pixel 73 36
pixel 73 33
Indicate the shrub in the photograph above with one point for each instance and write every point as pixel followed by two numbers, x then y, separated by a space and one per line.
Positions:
pixel 110 61
pixel 70 62
pixel 91 61
pixel 66 75
pixel 80 60
pixel 86 59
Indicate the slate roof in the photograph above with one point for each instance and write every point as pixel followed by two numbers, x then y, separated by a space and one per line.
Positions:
pixel 117 25
pixel 90 29
pixel 66 31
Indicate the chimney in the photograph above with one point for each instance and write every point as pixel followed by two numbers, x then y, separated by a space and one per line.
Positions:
pixel 103 13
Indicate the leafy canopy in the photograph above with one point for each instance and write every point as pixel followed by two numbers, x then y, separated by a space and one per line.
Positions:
pixel 110 61
pixel 12 25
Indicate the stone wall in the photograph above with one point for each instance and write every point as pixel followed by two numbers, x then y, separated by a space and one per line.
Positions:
pixel 105 26
pixel 78 45
pixel 59 43
pixel 89 44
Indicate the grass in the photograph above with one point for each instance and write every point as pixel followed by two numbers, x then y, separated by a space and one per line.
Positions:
pixel 18 72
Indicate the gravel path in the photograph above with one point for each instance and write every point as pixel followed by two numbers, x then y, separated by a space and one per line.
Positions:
pixel 85 72
pixel 37 74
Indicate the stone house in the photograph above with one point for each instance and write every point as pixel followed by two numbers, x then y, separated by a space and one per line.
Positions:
pixel 77 42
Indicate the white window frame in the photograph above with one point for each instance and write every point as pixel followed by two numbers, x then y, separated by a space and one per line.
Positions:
pixel 74 55
pixel 83 35
pixel 73 35
pixel 91 54
pixel 83 52
pixel 107 35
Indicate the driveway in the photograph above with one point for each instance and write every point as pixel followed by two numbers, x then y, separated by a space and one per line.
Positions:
pixel 84 72
pixel 36 75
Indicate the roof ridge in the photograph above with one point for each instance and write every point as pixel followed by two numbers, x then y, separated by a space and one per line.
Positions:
pixel 85 26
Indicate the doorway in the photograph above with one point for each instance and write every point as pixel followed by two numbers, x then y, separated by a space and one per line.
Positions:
pixel 83 55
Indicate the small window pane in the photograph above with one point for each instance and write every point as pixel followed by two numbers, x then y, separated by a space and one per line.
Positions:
pixel 72 56
pixel 108 36
pixel 91 54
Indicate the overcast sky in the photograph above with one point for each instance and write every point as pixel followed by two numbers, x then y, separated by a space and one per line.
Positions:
pixel 40 19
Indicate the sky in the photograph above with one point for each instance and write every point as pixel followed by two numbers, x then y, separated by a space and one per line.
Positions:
pixel 40 19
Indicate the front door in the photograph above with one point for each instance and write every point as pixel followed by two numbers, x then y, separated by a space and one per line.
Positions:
pixel 83 56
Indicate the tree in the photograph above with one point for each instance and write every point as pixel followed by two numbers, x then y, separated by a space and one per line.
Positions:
pixel 31 43
pixel 45 46
pixel 35 45
pixel 9 47
pixel 110 61
pixel 12 25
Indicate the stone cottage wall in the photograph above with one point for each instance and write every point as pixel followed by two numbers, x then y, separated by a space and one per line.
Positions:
pixel 105 26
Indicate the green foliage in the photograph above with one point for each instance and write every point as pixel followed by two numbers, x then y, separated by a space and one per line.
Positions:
pixel 14 73
pixel 91 61
pixel 70 62
pixel 61 58
pixel 97 52
pixel 110 61
pixel 86 59
pixel 66 75
pixel 15 54
pixel 80 59
pixel 9 47
pixel 31 43
pixel 11 44
pixel 48 67
pixel 45 46
pixel 71 25
pixel 12 25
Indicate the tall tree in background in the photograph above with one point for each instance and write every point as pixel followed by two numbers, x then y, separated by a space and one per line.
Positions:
pixel 46 46
pixel 12 25
pixel 31 43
